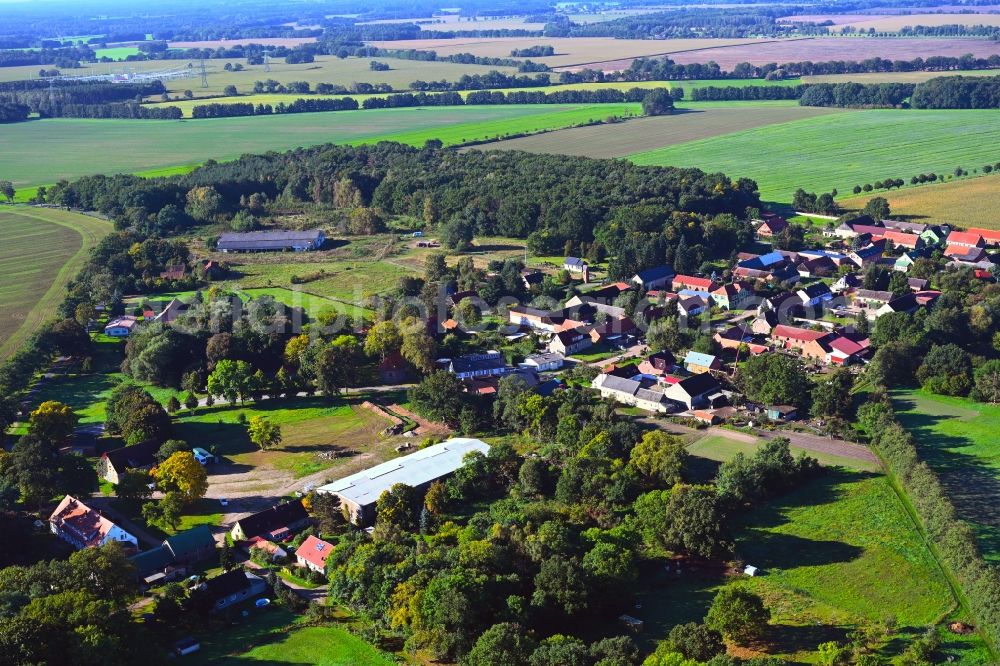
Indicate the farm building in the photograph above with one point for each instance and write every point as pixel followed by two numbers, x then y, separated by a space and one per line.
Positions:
pixel 232 587
pixel 544 361
pixel 653 278
pixel 475 365
pixel 271 241
pixel 359 492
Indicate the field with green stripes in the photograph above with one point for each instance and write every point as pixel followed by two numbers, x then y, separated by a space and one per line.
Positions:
pixel 842 150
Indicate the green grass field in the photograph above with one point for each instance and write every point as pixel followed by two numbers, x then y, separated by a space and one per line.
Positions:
pixel 116 53
pixel 842 150
pixel 43 151
pixel 274 636
pixel 721 448
pixel 838 552
pixel 42 250
pixel 958 439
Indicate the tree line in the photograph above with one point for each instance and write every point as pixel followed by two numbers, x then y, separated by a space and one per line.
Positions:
pixel 868 95
pixel 958 92
pixel 490 80
pixel 402 100
pixel 746 93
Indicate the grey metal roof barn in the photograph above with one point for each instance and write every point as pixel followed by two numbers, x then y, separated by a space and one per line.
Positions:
pixel 360 491
pixel 261 241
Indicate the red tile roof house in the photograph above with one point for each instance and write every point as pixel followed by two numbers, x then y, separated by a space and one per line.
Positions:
pixel 810 343
pixel 732 296
pixel 843 350
pixel 312 554
pixel 990 236
pixel 83 527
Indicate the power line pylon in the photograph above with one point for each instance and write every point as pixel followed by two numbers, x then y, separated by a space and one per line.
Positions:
pixel 204 75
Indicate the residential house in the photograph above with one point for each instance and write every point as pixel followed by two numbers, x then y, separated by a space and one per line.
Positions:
pixel 637 392
pixel 905 260
pixel 697 363
pixel 268 548
pixel 658 364
pixel 809 342
pixel 174 309
pixel 570 342
pixel 906 303
pixel 817 267
pixel 871 298
pixel 846 282
pixel 544 362
pixel 837 258
pixel 764 323
pixel 82 527
pixel 540 320
pixel 392 369
pixel 574 265
pixel 231 588
pixel 918 284
pixel 170 560
pixel 141 457
pixel 696 391
pixel 653 278
pixel 770 226
pixel 487 364
pixel 961 254
pixel 360 491
pixel 934 235
pixel 532 278
pixel 692 306
pixel 734 336
pixel 312 554
pixel 174 272
pixel 278 522
pixel 121 327
pixel 733 296
pixel 271 241
pixel 870 254
pixel 863 224
pixel 815 295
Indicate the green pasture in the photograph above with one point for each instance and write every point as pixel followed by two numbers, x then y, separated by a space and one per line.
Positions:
pixel 116 53
pixel 43 151
pixel 958 438
pixel 837 553
pixel 842 150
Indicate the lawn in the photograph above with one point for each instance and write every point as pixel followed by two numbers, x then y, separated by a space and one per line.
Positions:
pixel 836 553
pixel 958 439
pixel 721 448
pixel 317 433
pixel 965 202
pixel 293 296
pixel 42 250
pixel 43 151
pixel 116 53
pixel 842 150
pixel 696 120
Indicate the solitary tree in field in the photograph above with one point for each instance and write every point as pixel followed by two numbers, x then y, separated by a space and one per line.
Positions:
pixel 739 615
pixel 7 190
pixel 657 102
pixel 263 433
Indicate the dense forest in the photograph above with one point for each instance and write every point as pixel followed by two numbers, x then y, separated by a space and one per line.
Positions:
pixel 54 99
pixel 958 92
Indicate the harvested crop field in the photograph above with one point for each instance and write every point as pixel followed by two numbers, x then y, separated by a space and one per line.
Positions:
pixel 569 51
pixel 326 69
pixel 896 23
pixel 42 250
pixel 892 77
pixel 839 48
pixel 971 202
pixel 842 150
pixel 43 151
pixel 618 140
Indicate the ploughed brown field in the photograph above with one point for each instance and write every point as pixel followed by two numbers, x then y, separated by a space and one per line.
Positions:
pixel 640 134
